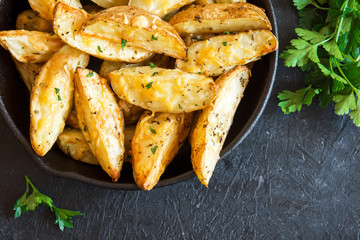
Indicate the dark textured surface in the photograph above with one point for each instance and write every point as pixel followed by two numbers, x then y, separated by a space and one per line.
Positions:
pixel 293 177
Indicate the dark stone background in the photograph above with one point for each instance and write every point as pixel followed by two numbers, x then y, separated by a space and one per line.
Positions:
pixel 294 177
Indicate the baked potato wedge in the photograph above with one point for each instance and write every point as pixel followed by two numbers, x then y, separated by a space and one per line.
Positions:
pixel 73 144
pixel 157 139
pixel 92 8
pixel 160 7
pixel 132 113
pixel 72 119
pixel 129 134
pixel 110 66
pixel 28 72
pixel 45 8
pixel 163 90
pixel 31 21
pixel 110 3
pixel 203 2
pixel 229 1
pixel 219 18
pixel 52 97
pixel 218 54
pixel 135 26
pixel 213 124
pixel 30 46
pixel 68 22
pixel 100 120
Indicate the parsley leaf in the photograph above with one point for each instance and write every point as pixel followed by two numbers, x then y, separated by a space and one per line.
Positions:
pixel 29 201
pixel 90 74
pixel 152 65
pixel 154 38
pixel 99 48
pixel 152 130
pixel 123 43
pixel 153 149
pixel 328 49
pixel 149 85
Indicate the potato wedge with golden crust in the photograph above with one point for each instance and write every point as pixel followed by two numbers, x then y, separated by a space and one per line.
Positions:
pixel 157 139
pixel 229 1
pixel 68 22
pixel 220 17
pixel 73 144
pixel 163 90
pixel 45 8
pixel 30 46
pixel 52 97
pixel 28 72
pixel 100 120
pixel 92 8
pixel 160 7
pixel 135 26
pixel 110 66
pixel 218 54
pixel 110 3
pixel 132 113
pixel 72 119
pixel 129 134
pixel 31 21
pixel 213 124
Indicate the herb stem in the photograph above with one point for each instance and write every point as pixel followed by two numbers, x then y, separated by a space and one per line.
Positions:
pixel 348 57
pixel 341 20
pixel 319 7
pixel 344 76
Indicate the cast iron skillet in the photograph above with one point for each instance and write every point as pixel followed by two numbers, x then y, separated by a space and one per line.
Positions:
pixel 14 106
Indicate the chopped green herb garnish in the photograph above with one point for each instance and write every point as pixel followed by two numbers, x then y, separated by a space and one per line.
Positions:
pixel 57 91
pixel 99 48
pixel 85 128
pixel 200 39
pixel 123 43
pixel 149 85
pixel 155 73
pixel 226 32
pixel 30 201
pixel 167 18
pixel 90 74
pixel 198 72
pixel 152 130
pixel 180 106
pixel 196 105
pixel 152 65
pixel 153 149
pixel 154 38
pixel 224 43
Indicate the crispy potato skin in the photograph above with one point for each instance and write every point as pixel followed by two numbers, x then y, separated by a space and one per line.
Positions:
pixel 110 3
pixel 30 46
pixel 132 113
pixel 218 54
pixel 138 27
pixel 157 139
pixel 69 21
pixel 212 125
pixel 163 90
pixel 52 97
pixel 73 144
pixel 100 120
pixel 220 17
pixel 29 20
pixel 160 7
pixel 45 8
pixel 72 119
pixel 28 72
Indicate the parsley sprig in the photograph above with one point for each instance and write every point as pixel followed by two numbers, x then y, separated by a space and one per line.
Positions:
pixel 30 201
pixel 328 49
